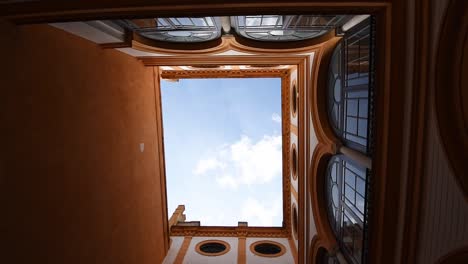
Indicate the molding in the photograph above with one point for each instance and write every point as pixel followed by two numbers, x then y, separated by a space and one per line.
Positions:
pixel 303 80
pixel 216 73
pixel 32 12
pixel 286 120
pixel 320 159
pixel 229 231
pixel 223 60
pixel 284 74
pixel 294 193
pixel 318 106
pixel 183 250
pixel 294 129
pixel 223 44
pixel 241 254
pixel 293 248
pixel 199 251
pixel 282 252
pixel 326 147
pixel 162 163
pixel 115 45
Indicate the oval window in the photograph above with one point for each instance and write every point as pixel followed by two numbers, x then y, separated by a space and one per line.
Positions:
pixel 294 161
pixel 295 220
pixel 267 248
pixel 212 248
pixel 294 99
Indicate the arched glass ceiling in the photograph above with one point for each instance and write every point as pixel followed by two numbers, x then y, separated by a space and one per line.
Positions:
pixel 285 28
pixel 181 29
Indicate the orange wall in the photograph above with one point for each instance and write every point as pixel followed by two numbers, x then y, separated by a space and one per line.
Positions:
pixel 74 186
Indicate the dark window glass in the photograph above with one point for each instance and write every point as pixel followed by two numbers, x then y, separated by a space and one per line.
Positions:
pixel 349 87
pixel 212 247
pixel 346 195
pixel 267 249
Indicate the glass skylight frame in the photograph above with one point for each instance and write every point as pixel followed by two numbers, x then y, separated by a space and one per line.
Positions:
pixel 278 28
pixel 176 29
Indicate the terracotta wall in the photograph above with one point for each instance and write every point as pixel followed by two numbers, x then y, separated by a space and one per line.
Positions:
pixel 74 185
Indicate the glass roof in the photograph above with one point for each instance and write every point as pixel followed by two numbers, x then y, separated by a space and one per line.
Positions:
pixel 285 28
pixel 181 29
pixel 273 28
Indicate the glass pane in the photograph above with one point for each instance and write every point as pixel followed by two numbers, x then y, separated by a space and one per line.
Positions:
pixel 335 195
pixel 349 193
pixel 360 186
pixel 363 108
pixel 337 90
pixel 362 131
pixel 351 125
pixel 352 107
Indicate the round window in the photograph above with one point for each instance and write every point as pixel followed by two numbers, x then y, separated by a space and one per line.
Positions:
pixel 294 99
pixel 212 248
pixel 295 220
pixel 294 161
pixel 267 248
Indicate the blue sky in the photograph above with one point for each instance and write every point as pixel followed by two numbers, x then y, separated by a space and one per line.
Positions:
pixel 223 149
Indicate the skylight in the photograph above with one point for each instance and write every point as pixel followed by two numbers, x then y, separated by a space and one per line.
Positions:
pixel 223 150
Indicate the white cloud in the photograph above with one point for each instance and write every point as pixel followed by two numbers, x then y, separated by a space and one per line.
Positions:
pixel 259 214
pixel 276 118
pixel 205 165
pixel 244 162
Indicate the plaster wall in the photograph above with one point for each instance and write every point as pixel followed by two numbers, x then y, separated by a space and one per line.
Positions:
pixel 79 180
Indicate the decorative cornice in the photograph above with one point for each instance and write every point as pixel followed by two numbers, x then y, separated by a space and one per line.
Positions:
pixel 242 231
pixel 225 43
pixel 226 231
pixel 286 117
pixel 217 73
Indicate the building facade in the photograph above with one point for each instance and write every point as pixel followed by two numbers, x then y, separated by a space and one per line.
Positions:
pixel 374 139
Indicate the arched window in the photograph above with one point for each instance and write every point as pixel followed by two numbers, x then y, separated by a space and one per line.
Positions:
pixel 335 89
pixel 349 88
pixel 346 189
pixel 323 257
pixel 285 28
pixel 180 29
